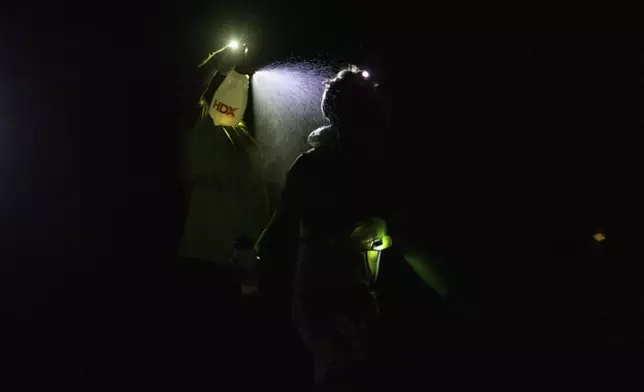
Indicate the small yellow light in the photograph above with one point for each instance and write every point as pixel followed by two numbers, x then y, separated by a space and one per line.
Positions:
pixel 599 237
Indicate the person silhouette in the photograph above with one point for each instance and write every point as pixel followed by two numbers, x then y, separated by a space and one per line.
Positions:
pixel 334 221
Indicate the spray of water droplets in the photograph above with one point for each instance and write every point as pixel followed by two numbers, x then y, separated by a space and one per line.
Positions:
pixel 287 107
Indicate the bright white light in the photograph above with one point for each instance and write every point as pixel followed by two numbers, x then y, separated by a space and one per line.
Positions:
pixel 365 74
pixel 233 45
pixel 246 51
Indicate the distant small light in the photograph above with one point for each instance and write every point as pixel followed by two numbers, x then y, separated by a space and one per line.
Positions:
pixel 365 74
pixel 246 51
pixel 233 45
pixel 599 237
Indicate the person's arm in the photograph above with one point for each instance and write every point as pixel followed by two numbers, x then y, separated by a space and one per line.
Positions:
pixel 278 242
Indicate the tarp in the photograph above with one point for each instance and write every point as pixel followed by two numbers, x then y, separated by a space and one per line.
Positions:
pixel 227 196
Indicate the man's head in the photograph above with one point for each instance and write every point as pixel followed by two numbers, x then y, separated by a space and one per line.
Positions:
pixel 350 100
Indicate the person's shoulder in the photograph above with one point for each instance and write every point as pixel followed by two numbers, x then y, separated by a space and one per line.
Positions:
pixel 310 162
pixel 322 141
pixel 303 160
pixel 300 162
pixel 324 136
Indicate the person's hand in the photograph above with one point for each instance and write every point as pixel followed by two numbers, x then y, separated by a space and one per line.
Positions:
pixel 249 288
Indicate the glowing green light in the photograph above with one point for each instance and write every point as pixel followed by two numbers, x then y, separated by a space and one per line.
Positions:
pixel 233 45
pixel 373 261
pixel 371 235
pixel 427 270
pixel 382 243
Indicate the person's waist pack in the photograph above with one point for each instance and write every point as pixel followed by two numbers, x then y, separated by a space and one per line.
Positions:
pixel 370 234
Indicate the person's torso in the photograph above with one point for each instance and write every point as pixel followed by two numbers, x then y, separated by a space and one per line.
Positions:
pixel 338 192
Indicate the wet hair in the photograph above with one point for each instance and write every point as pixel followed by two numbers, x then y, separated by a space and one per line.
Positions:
pixel 350 98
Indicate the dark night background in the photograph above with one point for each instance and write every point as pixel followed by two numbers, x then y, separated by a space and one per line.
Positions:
pixel 519 148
